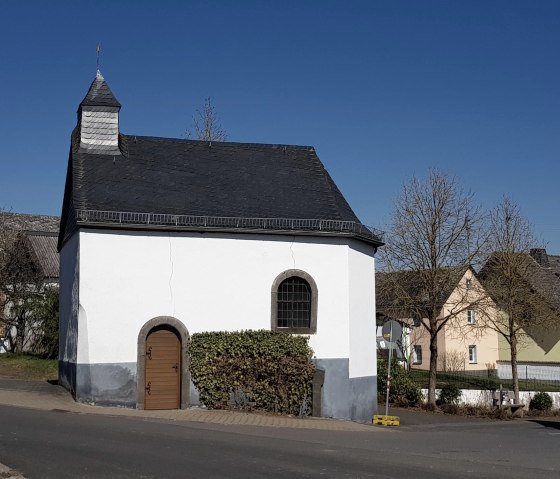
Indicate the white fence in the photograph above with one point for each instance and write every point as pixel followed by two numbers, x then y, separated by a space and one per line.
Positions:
pixel 482 397
pixel 530 371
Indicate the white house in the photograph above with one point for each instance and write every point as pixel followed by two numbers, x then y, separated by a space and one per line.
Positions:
pixel 161 238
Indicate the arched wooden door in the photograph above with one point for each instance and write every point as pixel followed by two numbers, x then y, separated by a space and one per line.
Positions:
pixel 163 369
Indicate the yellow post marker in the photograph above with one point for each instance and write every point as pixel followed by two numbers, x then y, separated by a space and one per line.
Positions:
pixel 383 420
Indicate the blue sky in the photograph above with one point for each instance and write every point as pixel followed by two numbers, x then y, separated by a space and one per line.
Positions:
pixel 382 89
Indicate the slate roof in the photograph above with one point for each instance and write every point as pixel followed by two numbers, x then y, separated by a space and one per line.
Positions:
pixel 40 234
pixel 99 94
pixel 169 183
pixel 43 245
pixel 542 273
pixel 392 287
pixel 555 264
pixel 546 279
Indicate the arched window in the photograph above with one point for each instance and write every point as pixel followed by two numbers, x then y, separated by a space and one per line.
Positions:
pixel 294 303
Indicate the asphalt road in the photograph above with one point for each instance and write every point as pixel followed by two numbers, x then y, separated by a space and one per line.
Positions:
pixel 50 444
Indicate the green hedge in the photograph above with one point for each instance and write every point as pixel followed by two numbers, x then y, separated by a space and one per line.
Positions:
pixel 404 391
pixel 253 369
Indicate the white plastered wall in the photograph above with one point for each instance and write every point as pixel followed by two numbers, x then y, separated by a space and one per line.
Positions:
pixel 361 290
pixel 219 282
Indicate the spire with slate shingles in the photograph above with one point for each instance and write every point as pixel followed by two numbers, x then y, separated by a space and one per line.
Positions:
pixel 99 119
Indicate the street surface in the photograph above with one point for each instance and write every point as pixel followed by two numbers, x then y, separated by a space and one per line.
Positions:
pixel 56 444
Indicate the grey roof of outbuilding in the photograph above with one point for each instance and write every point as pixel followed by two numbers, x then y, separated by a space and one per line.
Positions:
pixel 398 291
pixel 546 280
pixel 543 279
pixel 99 94
pixel 44 247
pixel 20 221
pixel 555 264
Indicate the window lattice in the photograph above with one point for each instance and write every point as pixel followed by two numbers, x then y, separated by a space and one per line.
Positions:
pixel 294 303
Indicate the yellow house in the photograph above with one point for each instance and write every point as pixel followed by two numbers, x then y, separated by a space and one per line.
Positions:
pixel 538 355
pixel 463 345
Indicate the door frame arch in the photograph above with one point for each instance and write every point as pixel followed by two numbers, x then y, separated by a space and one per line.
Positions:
pixel 183 333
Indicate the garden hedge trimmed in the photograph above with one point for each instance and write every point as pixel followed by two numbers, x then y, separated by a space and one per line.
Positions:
pixel 253 370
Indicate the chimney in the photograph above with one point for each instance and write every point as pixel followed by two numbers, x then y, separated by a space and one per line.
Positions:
pixel 540 256
pixel 98 118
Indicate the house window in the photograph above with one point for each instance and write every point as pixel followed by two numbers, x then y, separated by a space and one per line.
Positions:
pixel 294 303
pixel 471 316
pixel 417 354
pixel 469 283
pixel 472 354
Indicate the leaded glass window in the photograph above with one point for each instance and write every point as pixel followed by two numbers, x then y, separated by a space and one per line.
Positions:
pixel 294 303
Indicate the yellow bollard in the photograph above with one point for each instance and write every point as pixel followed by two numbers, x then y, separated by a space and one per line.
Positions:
pixel 381 419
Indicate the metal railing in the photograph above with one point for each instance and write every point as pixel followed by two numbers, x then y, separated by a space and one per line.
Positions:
pixel 229 223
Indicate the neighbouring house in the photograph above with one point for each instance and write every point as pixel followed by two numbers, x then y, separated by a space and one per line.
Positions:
pixel 22 249
pixel 42 248
pixel 16 222
pixel 161 238
pixel 462 344
pixel 538 354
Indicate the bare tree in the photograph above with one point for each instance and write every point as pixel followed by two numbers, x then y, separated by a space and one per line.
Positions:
pixel 511 278
pixel 21 286
pixel 454 361
pixel 436 234
pixel 206 125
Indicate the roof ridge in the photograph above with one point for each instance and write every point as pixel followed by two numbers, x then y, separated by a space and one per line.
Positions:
pixel 221 143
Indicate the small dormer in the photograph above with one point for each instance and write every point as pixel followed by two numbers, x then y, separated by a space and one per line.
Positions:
pixel 98 117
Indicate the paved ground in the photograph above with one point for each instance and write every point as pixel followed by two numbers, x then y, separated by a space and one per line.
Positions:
pixel 46 444
pixel 47 435
pixel 45 396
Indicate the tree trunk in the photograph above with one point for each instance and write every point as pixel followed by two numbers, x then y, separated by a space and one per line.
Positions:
pixel 20 338
pixel 19 325
pixel 514 375
pixel 433 369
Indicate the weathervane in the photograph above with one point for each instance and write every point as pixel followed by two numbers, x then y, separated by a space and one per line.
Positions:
pixel 98 50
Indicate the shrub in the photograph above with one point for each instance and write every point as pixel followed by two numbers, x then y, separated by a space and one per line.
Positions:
pixel 449 394
pixel 428 407
pixel 44 313
pixel 541 401
pixel 253 369
pixel 450 408
pixel 404 391
pixel 476 411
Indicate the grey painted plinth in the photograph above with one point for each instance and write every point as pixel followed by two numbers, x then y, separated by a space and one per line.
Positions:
pixel 344 397
pixel 363 398
pixel 106 384
pixel 67 376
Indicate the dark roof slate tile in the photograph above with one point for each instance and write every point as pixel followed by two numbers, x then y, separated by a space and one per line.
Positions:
pixel 99 94
pixel 174 176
